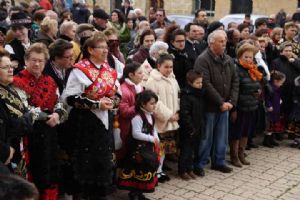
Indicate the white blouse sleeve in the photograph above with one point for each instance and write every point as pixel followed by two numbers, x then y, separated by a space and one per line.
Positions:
pixel 137 125
pixel 77 82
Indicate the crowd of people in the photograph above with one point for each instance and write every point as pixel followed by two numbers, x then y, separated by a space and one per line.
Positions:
pixel 91 101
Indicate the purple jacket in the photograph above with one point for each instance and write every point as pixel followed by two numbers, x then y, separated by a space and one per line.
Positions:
pixel 273 100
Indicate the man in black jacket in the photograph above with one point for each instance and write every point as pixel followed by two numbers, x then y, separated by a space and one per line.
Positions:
pixel 194 44
pixel 221 85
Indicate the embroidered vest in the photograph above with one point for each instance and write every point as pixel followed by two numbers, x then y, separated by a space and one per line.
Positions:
pixel 41 91
pixel 12 100
pixel 147 128
pixel 103 79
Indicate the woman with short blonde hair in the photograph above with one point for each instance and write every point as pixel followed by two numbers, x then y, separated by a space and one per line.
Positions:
pixel 48 32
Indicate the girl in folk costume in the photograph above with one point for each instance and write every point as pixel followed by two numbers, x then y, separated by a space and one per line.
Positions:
pixel 42 141
pixel 138 174
pixel 272 103
pixel 162 81
pixel 91 91
pixel 130 87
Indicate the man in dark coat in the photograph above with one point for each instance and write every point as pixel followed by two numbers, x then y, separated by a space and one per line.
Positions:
pixel 290 66
pixel 194 44
pixel 221 85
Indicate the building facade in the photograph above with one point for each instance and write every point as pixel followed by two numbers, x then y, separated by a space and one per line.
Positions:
pixel 218 8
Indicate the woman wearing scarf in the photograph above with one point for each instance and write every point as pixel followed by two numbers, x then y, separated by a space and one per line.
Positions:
pixel 243 118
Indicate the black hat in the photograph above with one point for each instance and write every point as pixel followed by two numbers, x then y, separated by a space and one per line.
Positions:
pixel 214 26
pixel 20 19
pixel 99 13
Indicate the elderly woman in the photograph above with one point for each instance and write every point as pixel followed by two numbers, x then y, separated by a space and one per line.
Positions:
pixel 67 30
pixel 48 31
pixel 156 50
pixel 14 122
pixel 244 117
pixel 90 92
pixel 42 141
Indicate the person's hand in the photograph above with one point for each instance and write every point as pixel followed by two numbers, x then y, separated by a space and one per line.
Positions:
pixel 233 116
pixel 229 106
pixel 270 109
pixel 223 107
pixel 53 119
pixel 174 118
pixel 226 106
pixel 106 103
pixel 11 154
pixel 291 60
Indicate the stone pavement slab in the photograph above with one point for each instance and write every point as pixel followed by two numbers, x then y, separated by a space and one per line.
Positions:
pixel 273 174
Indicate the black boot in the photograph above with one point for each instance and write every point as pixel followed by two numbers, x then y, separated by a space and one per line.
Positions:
pixel 267 141
pixel 273 142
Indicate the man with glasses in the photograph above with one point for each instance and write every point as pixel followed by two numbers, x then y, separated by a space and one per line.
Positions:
pixel 161 20
pixel 20 25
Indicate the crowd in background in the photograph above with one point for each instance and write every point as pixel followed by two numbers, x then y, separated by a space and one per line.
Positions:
pixel 91 101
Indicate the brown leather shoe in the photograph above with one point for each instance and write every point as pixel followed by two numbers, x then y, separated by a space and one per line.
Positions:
pixel 184 176
pixel 191 174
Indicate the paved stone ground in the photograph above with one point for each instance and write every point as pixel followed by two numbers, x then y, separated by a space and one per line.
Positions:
pixel 273 174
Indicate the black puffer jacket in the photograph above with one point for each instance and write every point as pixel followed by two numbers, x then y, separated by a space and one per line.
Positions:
pixel 181 65
pixel 191 111
pixel 248 90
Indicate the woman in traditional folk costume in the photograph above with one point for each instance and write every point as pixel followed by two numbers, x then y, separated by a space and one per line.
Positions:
pixel 91 92
pixel 42 92
pixel 16 120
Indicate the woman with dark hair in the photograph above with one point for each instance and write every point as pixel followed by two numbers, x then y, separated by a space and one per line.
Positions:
pixel 118 22
pixel 91 92
pixel 130 87
pixel 138 175
pixel 146 40
pixel 176 38
pixel 244 30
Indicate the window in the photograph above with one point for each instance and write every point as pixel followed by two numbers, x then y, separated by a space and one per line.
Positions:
pixel 208 5
pixel 241 6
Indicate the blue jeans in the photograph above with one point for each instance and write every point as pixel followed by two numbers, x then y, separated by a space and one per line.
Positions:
pixel 215 140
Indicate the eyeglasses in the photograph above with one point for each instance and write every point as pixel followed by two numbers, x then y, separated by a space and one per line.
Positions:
pixel 67 57
pixel 101 47
pixel 17 28
pixel 39 61
pixel 7 67
pixel 113 40
pixel 179 41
